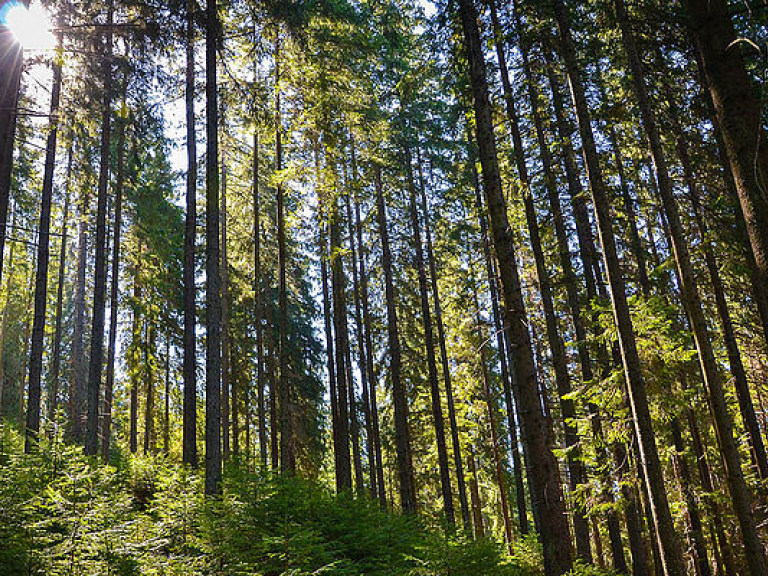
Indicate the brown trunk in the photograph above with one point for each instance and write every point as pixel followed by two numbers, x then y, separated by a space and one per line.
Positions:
pixel 670 545
pixel 11 63
pixel 506 360
pixel 573 298
pixel 490 407
pixel 739 116
pixel 284 384
pixel 100 244
pixel 369 367
pixel 429 341
pixel 43 258
pixel 576 471
pixel 53 400
pixel 259 305
pixel 114 292
pixel 537 435
pixel 189 434
pixel 477 506
pixel 225 349
pixel 460 481
pixel 136 344
pixel 399 397
pixel 740 496
pixel 212 261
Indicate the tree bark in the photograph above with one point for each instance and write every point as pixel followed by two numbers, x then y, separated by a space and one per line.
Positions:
pixel 100 264
pixel 669 543
pixel 43 257
pixel 114 291
pixel 458 463
pixel 189 369
pixel 212 260
pixel 53 401
pixel 739 116
pixel 740 496
pixel 399 397
pixel 429 341
pixel 542 472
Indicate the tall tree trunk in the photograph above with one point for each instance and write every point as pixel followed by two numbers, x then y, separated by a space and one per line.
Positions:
pixel 741 385
pixel 133 425
pixel 150 365
pixel 543 472
pixel 95 360
pixel 189 369
pixel 577 472
pixel 505 359
pixel 212 260
pixel 259 301
pixel 399 397
pixel 114 290
pixel 696 532
pixel 225 345
pixel 477 506
pixel 167 395
pixel 362 356
pixel 369 367
pixel 739 116
pixel 9 289
pixel 284 385
pixel 53 400
pixel 344 465
pixel 458 463
pixel 490 407
pixel 668 539
pixel 573 298
pixel 79 374
pixel 43 258
pixel 429 341
pixel 740 496
pixel 11 62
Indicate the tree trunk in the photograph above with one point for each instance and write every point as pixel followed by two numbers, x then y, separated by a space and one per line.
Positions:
pixel 362 355
pixel 259 301
pixel 696 533
pixel 100 265
pixel 189 369
pixel 490 407
pixel 739 116
pixel 53 400
pixel 573 298
pixel 429 341
pixel 740 496
pixel 343 462
pixel 212 260
pixel 114 290
pixel 150 365
pixel 43 258
pixel 399 397
pixel 669 543
pixel 477 506
pixel 11 62
pixel 225 345
pixel 543 473
pixel 460 480
pixel 506 360
pixel 369 367
pixel 136 344
pixel 576 471
pixel 741 385
pixel 284 384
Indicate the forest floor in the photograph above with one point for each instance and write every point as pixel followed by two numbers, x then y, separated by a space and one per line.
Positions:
pixel 64 514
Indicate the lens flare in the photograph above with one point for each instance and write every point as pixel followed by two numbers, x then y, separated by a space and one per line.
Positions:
pixel 30 25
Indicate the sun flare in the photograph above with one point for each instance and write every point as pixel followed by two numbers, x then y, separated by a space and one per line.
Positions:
pixel 30 25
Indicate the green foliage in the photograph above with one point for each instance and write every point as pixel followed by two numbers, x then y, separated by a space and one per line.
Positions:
pixel 63 514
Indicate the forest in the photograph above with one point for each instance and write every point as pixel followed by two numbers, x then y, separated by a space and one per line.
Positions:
pixel 384 287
